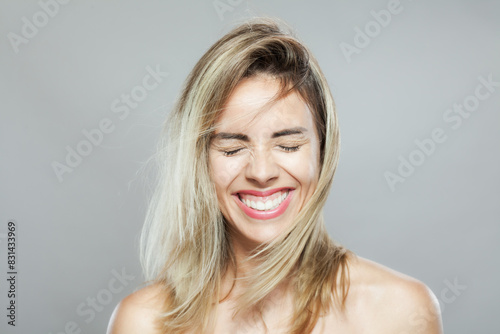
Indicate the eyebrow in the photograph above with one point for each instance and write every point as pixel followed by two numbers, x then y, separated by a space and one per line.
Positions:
pixel 239 136
pixel 227 135
pixel 287 132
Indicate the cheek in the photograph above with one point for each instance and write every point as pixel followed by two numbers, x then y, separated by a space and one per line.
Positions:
pixel 303 165
pixel 306 172
pixel 223 171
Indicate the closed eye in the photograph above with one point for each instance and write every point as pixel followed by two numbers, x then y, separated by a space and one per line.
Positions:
pixel 230 153
pixel 290 148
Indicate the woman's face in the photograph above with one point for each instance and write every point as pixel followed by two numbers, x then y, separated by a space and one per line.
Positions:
pixel 264 163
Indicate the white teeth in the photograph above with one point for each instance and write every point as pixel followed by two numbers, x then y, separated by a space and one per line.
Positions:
pixel 268 205
pixel 276 202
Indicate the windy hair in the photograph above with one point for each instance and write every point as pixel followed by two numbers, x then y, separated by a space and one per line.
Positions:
pixel 185 246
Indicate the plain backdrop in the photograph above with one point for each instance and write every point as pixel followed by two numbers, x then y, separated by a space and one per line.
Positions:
pixel 65 70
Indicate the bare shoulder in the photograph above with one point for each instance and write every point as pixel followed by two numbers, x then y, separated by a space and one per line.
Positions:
pixel 137 313
pixel 391 302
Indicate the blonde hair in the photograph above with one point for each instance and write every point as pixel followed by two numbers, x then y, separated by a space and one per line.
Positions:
pixel 185 245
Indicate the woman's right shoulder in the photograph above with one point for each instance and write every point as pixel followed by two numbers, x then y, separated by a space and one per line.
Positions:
pixel 138 312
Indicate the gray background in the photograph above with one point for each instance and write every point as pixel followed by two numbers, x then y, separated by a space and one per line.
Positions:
pixel 441 225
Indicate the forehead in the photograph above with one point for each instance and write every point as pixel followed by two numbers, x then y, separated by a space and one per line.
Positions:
pixel 247 108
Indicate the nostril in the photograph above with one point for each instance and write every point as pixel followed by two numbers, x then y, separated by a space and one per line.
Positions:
pixel 262 170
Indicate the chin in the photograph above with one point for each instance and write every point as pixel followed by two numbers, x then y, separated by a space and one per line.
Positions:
pixel 255 232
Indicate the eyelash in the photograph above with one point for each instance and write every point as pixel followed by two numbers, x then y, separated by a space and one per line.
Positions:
pixel 290 149
pixel 230 153
pixel 285 148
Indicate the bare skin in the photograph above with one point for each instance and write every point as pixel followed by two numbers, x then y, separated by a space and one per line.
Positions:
pixel 380 300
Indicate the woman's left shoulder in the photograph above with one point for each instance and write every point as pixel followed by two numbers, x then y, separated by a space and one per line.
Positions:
pixel 394 302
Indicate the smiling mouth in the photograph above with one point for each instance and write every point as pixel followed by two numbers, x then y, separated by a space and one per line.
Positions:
pixel 264 203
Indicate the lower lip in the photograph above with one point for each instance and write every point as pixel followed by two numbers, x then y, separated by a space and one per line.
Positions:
pixel 269 214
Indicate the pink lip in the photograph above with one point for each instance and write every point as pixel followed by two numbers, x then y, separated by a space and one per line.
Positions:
pixel 262 193
pixel 263 215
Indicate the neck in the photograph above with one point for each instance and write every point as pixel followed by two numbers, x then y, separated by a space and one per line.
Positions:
pixel 234 281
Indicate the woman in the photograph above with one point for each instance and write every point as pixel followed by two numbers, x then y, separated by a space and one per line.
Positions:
pixel 234 240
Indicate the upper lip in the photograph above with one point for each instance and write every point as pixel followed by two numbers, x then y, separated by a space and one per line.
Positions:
pixel 262 193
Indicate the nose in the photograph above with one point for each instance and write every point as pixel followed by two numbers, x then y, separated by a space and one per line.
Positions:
pixel 262 169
